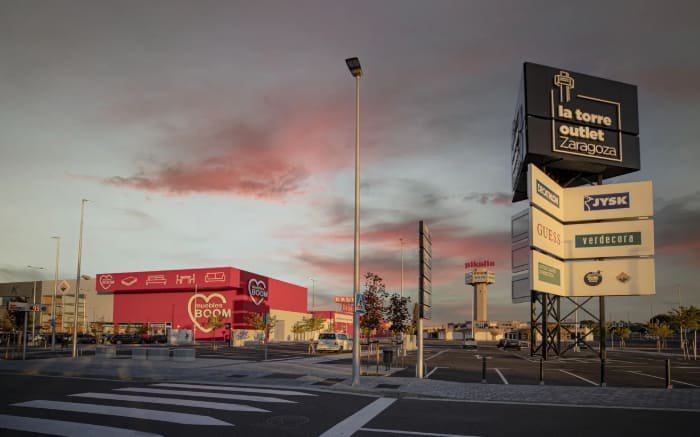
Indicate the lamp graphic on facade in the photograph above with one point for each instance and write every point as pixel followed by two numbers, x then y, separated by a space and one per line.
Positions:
pixel 565 83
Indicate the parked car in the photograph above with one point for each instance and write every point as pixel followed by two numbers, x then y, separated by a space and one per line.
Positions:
pixel 333 341
pixel 469 343
pixel 86 339
pixel 508 343
pixel 125 339
pixel 155 339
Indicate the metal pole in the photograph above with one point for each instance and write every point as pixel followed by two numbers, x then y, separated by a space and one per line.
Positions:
pixel 545 328
pixel 34 313
pixel 77 282
pixel 483 370
pixel 194 325
pixel 541 371
pixel 356 255
pixel 419 343
pixel 669 385
pixel 603 354
pixel 401 239
pixel 576 349
pixel 24 337
pixel 53 300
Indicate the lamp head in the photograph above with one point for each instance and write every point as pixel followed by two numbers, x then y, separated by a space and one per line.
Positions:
pixel 354 66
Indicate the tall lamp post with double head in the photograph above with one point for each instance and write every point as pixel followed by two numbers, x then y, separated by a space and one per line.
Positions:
pixel 55 288
pixel 356 70
pixel 77 281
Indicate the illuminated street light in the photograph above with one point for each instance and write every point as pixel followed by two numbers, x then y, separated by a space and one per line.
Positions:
pixel 77 281
pixel 356 70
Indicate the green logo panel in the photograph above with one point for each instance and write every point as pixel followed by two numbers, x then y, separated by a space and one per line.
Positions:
pixel 548 274
pixel 609 240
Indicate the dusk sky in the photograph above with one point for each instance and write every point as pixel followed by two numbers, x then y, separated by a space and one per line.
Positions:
pixel 215 133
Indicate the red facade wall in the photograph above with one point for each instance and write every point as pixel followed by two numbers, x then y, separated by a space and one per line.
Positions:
pixel 242 293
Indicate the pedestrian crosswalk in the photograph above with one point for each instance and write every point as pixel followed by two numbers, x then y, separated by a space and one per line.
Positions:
pixel 152 403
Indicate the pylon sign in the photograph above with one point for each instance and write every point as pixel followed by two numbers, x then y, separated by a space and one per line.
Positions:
pixel 606 252
pixel 573 123
pixel 425 263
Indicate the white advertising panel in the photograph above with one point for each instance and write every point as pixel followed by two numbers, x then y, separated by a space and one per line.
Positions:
pixel 611 277
pixel 544 192
pixel 546 233
pixel 480 276
pixel 606 202
pixel 590 202
pixel 547 274
pixel 609 239
pixel 591 240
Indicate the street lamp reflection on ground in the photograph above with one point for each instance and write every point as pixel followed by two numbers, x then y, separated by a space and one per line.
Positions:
pixel 356 70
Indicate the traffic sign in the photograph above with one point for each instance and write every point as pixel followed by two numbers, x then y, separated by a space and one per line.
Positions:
pixel 360 304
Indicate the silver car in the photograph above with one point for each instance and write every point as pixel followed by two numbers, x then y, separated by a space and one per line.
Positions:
pixel 333 341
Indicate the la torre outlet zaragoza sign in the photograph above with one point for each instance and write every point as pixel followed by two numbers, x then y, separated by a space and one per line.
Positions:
pixel 573 123
pixel 577 239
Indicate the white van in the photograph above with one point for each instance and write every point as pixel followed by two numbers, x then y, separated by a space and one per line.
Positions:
pixel 333 341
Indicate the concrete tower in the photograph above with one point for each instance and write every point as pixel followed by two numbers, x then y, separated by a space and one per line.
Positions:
pixel 480 278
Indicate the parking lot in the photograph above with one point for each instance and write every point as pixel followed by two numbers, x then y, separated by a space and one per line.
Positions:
pixel 624 368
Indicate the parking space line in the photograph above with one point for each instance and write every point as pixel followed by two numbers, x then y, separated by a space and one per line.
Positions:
pixel 433 371
pixel 352 424
pixel 663 379
pixel 579 377
pixel 402 432
pixel 503 378
pixel 439 353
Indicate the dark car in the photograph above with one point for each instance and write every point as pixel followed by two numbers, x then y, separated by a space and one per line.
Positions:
pixel 155 339
pixel 507 343
pixel 125 339
pixel 86 339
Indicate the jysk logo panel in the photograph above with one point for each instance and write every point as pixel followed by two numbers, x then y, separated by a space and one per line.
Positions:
pixel 548 194
pixel 597 202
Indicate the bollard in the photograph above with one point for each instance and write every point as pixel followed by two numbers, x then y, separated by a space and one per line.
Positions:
pixel 541 371
pixel 669 385
pixel 602 373
pixel 483 370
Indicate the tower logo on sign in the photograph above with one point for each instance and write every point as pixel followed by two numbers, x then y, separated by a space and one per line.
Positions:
pixel 257 291
pixel 106 281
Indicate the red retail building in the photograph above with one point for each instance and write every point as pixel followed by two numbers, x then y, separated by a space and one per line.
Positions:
pixel 195 298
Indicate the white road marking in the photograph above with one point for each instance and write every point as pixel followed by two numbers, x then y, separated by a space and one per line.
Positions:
pixel 204 394
pixel 550 404
pixel 352 424
pixel 439 353
pixel 134 413
pixel 234 388
pixel 172 401
pixel 663 379
pixel 579 377
pixel 503 378
pixel 433 371
pixel 63 428
pixel 402 432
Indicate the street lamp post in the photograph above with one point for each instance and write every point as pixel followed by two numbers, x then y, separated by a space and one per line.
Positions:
pixel 313 293
pixel 401 239
pixel 34 303
pixel 53 300
pixel 356 70
pixel 77 281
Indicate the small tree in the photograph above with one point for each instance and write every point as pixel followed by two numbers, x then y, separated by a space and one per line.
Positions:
pixel 624 333
pixel 314 324
pixel 256 321
pixel 375 293
pixel 397 314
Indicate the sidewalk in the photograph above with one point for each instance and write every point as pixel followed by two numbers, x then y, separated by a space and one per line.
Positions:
pixel 310 373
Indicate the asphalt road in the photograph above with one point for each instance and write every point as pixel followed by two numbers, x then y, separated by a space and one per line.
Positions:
pixel 33 405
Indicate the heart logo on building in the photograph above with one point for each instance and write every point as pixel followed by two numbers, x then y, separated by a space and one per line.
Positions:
pixel 201 306
pixel 257 291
